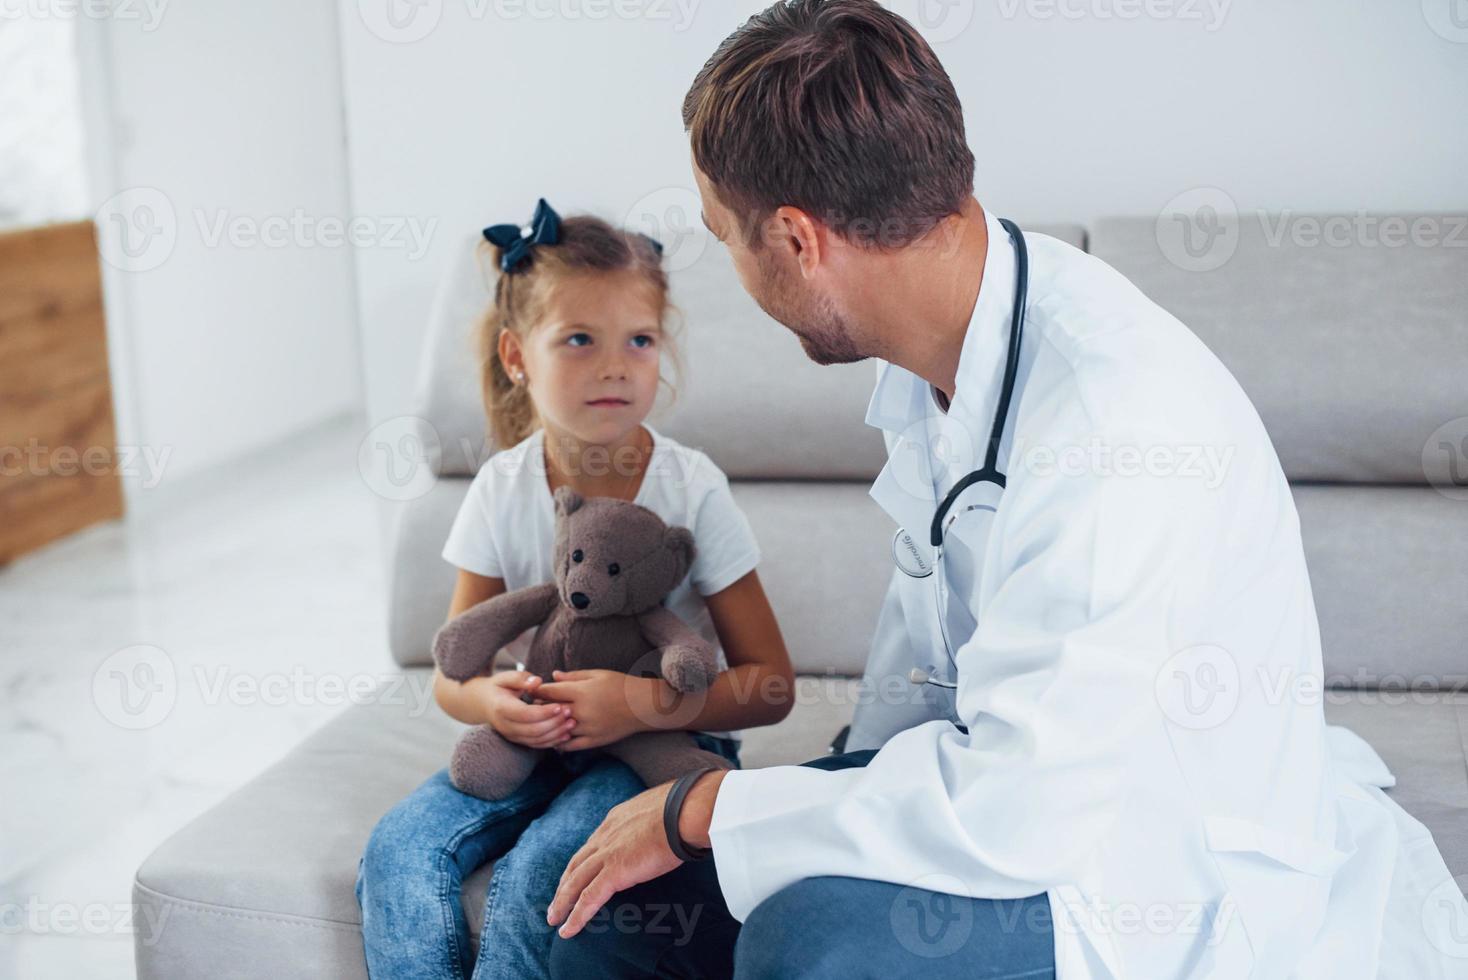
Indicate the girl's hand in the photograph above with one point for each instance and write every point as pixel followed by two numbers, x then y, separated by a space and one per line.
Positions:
pixel 539 725
pixel 605 705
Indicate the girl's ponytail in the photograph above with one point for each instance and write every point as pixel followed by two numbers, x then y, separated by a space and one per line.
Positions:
pixel 507 405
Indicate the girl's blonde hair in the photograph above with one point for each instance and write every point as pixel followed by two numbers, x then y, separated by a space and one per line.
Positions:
pixel 586 244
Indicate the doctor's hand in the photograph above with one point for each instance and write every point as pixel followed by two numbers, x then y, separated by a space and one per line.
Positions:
pixel 629 848
pixel 607 705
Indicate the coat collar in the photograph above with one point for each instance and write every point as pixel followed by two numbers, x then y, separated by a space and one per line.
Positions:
pixel 926 444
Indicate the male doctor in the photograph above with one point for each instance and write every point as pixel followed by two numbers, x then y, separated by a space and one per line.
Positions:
pixel 1113 785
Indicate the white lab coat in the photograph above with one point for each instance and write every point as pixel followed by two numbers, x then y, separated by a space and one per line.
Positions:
pixel 1135 642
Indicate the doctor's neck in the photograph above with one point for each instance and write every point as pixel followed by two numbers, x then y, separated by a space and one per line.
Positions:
pixel 918 305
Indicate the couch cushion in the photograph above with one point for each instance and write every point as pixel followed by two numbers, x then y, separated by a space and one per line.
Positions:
pixel 745 377
pixel 1388 576
pixel 263 884
pixel 1423 739
pixel 447 391
pixel 827 560
pixel 1354 353
pixel 422 583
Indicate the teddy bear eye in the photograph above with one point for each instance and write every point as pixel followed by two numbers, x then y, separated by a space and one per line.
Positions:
pixel 613 568
pixel 577 555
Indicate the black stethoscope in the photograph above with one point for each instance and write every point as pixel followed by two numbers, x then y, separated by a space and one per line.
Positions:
pixel 905 553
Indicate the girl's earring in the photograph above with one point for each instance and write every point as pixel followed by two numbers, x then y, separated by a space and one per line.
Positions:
pixel 519 377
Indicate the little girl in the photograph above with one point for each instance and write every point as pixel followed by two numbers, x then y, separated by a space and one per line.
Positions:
pixel 572 350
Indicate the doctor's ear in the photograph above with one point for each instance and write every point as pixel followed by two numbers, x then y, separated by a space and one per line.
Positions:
pixel 803 235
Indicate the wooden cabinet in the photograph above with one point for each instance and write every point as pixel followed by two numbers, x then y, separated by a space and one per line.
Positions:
pixel 58 470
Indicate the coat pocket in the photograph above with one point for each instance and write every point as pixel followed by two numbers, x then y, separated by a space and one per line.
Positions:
pixel 1312 857
pixel 1279 884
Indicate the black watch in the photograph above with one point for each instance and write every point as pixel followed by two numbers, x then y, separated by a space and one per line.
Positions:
pixel 672 807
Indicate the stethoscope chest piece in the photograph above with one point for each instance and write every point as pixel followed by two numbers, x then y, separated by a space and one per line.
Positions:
pixel 912 556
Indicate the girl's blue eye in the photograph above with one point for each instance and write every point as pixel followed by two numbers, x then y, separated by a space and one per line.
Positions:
pixel 642 340
pixel 575 339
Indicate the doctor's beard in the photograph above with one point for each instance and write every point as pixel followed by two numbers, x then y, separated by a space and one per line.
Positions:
pixel 815 321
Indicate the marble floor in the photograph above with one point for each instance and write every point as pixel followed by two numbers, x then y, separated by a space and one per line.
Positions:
pixel 151 665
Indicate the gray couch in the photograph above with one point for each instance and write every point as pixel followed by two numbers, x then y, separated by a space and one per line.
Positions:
pixel 1355 356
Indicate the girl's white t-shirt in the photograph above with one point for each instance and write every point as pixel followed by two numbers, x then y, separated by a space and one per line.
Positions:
pixel 505 527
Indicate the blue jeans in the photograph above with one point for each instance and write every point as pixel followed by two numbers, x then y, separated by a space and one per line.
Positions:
pixel 826 928
pixel 411 873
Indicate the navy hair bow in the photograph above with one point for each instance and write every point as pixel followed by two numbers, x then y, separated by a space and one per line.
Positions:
pixel 544 229
pixel 515 242
pixel 656 245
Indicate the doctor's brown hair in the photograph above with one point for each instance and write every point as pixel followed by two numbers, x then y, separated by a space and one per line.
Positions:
pixel 836 107
pixel 587 245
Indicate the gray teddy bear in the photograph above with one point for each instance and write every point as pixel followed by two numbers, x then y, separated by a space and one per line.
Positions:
pixel 615 563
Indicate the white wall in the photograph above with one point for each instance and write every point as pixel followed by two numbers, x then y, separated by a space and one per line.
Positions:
pixel 462 112
pixel 42 178
pixel 205 116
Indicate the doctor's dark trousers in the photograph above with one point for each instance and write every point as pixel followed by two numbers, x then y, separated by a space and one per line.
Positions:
pixel 678 926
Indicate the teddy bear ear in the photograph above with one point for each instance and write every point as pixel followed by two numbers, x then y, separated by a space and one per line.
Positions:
pixel 679 540
pixel 568 501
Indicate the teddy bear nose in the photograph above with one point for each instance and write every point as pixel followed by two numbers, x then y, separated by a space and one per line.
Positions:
pixel 580 600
